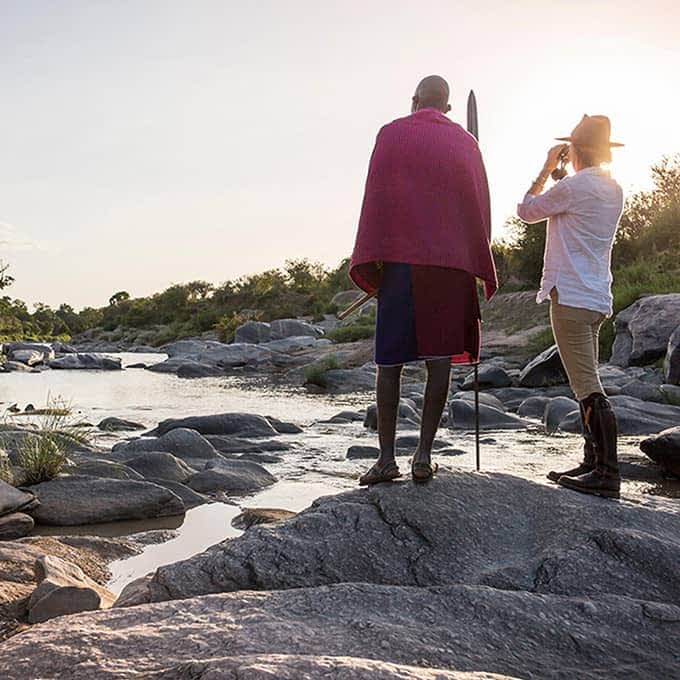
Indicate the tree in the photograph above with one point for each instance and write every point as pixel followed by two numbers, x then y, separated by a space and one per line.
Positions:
pixel 524 250
pixel 119 297
pixel 5 279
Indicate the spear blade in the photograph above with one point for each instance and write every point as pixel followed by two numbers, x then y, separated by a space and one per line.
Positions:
pixel 472 121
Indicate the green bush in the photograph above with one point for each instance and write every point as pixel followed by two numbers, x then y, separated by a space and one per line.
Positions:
pixel 314 373
pixel 42 457
pixel 56 432
pixel 352 332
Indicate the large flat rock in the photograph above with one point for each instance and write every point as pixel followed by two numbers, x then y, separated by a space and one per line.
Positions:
pixel 357 631
pixel 76 499
pixel 239 424
pixel 464 528
pixel 644 329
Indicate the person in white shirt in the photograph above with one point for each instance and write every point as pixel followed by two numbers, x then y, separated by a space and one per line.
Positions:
pixel 583 212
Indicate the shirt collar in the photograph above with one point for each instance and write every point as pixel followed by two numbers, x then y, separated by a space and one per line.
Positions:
pixel 594 170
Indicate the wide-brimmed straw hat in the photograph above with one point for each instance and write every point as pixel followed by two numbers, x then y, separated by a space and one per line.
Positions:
pixel 592 133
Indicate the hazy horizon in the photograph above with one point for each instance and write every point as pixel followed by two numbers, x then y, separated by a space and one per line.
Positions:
pixel 148 144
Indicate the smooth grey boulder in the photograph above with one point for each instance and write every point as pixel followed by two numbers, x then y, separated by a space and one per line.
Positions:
pixel 512 397
pixel 489 376
pixel 160 465
pixel 533 407
pixel 284 427
pixel 253 516
pixel 210 353
pixel 227 444
pixel 103 468
pixel 484 398
pixel 196 369
pixel 295 343
pixel 643 390
pixel 87 361
pixel 493 530
pixel 462 417
pixel 544 370
pixel 664 450
pixel 15 525
pixel 113 424
pixel 62 589
pixel 343 380
pixel 633 416
pixel 671 365
pixel 253 332
pixel 358 451
pixel 616 377
pixel 357 632
pixel 231 476
pixel 238 424
pixel 29 357
pixel 286 328
pixel 12 500
pixel 643 330
pixel 184 443
pixel 188 496
pixel 345 417
pixel 77 499
pixel 43 348
pixel 556 411
pixel 406 410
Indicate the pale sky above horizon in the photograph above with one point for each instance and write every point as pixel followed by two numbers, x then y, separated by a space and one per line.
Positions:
pixel 147 143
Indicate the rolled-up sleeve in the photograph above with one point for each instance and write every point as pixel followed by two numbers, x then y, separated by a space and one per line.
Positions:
pixel 553 202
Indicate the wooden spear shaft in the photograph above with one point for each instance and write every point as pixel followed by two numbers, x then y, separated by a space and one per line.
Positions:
pixel 357 304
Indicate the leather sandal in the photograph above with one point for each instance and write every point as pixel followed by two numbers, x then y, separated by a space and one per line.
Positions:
pixel 422 471
pixel 380 472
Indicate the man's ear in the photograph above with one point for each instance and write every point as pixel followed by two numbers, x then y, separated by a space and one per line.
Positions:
pixel 448 108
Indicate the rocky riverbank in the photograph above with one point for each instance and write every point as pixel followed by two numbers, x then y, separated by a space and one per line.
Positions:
pixel 570 585
pixel 473 572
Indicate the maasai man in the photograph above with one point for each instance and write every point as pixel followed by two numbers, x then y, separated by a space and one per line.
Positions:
pixel 424 236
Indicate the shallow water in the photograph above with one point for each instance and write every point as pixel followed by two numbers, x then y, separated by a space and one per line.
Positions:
pixel 149 397
pixel 315 466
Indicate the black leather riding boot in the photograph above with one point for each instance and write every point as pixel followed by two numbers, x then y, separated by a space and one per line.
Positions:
pixel 604 480
pixel 588 462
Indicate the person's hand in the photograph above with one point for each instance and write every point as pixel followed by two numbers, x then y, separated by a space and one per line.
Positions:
pixel 553 159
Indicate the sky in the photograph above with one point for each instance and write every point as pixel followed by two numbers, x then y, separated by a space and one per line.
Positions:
pixel 151 142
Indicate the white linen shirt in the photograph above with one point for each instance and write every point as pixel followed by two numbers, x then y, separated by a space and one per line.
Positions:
pixel 583 212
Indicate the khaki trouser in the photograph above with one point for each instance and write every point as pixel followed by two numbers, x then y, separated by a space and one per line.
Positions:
pixel 577 333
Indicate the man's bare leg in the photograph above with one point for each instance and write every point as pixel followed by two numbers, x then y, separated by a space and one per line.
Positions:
pixel 388 391
pixel 436 392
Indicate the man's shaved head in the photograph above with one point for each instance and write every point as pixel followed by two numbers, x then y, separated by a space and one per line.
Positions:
pixel 432 92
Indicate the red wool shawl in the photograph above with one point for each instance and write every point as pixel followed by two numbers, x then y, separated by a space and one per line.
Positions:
pixel 426 202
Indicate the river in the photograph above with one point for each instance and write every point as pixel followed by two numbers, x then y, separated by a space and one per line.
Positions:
pixel 315 466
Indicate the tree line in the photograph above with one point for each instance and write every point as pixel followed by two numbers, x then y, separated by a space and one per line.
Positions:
pixel 645 260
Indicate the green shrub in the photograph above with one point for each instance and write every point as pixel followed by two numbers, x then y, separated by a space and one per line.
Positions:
pixel 42 457
pixel 55 432
pixel 314 373
pixel 352 332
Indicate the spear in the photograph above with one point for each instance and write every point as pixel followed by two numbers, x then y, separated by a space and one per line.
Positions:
pixel 473 129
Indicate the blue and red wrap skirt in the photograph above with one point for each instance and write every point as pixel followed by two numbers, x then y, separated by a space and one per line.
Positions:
pixel 426 312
